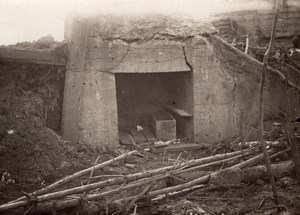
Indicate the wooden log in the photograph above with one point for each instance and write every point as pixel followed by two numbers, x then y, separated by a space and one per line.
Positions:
pixel 73 202
pixel 279 170
pixel 197 181
pixel 252 161
pixel 133 141
pixel 115 181
pixel 189 185
pixel 193 173
pixel 131 177
pixel 183 175
pixel 196 171
pixel 250 174
pixel 66 180
pixel 66 203
pixel 179 147
pixel 247 44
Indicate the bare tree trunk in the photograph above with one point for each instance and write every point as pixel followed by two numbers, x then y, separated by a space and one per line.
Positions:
pixel 261 104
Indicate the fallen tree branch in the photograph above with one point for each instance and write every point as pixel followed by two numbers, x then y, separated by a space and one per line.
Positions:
pixel 125 179
pixel 293 62
pixel 279 170
pixel 193 170
pixel 280 153
pixel 293 68
pixel 141 195
pixel 193 174
pixel 197 181
pixel 65 203
pixel 254 61
pixel 248 163
pixel 247 44
pixel 261 105
pixel 250 174
pixel 75 201
pixel 72 177
pixel 295 149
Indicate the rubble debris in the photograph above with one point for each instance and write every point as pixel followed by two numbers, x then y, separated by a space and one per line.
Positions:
pixel 160 143
pixel 166 147
pixel 150 178
pixel 6 178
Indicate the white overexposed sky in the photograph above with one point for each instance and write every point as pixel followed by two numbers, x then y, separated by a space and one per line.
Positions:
pixel 28 20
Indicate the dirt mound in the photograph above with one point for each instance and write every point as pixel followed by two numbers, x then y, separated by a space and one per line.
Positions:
pixel 45 42
pixel 35 154
pixel 32 153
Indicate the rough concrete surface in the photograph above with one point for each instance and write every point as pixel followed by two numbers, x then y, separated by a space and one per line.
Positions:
pixel 219 95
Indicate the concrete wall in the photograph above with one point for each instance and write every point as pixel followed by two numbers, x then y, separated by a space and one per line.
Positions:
pixel 259 22
pixel 90 107
pixel 118 56
pixel 180 95
pixel 226 90
pixel 98 122
pixel 113 81
pixel 214 116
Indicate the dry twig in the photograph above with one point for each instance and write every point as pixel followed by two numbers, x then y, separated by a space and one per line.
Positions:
pixel 23 200
pixel 261 104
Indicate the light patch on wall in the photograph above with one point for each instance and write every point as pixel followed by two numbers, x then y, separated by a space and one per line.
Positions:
pixel 98 95
pixel 205 75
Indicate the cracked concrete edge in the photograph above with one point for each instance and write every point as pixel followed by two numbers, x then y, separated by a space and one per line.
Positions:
pixel 185 58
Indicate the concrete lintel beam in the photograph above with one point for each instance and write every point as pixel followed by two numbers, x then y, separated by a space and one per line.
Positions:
pixel 146 57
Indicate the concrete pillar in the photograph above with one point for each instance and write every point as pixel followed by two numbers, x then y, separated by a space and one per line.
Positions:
pixel 213 94
pixel 90 104
pixel 99 120
pixel 76 37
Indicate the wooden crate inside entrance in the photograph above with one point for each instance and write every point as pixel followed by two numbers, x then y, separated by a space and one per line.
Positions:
pixel 163 125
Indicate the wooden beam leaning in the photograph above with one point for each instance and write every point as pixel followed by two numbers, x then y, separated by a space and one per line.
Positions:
pixel 276 72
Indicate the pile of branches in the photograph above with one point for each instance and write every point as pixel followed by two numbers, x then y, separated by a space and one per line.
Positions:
pixel 122 193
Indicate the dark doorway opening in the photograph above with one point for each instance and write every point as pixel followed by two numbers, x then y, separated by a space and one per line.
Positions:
pixel 140 95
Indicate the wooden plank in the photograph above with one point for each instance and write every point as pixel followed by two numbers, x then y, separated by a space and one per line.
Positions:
pixel 149 134
pixel 178 111
pixel 137 136
pixel 124 138
pixel 179 148
pixel 31 56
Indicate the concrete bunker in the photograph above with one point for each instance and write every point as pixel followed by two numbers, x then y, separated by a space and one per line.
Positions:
pixel 121 70
pixel 131 68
